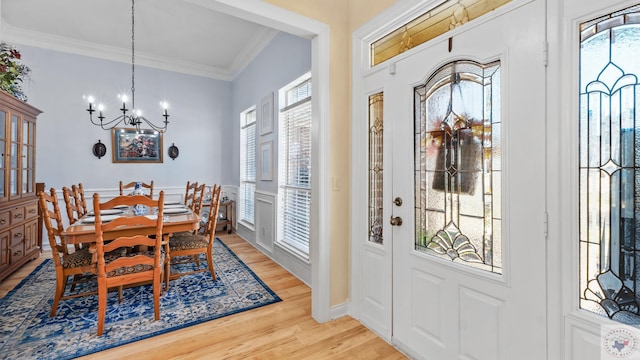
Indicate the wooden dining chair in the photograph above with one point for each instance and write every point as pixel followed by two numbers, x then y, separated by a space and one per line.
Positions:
pixel 78 194
pixel 74 209
pixel 132 185
pixel 118 265
pixel 198 199
pixel 77 264
pixel 186 247
pixel 189 192
pixel 195 193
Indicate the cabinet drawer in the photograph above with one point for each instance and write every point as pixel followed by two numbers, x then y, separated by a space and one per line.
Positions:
pixel 31 211
pixel 16 235
pixel 16 253
pixel 17 215
pixel 5 219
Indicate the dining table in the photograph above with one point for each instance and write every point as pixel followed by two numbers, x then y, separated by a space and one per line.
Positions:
pixel 176 218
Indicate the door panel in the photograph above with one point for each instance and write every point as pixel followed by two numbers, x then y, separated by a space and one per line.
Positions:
pixel 375 265
pixel 444 309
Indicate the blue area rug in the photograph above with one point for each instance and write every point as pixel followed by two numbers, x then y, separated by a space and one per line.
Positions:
pixel 27 331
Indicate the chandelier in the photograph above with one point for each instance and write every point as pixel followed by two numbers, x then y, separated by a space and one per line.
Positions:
pixel 135 118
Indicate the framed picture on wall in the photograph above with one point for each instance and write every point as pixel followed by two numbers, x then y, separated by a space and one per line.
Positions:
pixel 132 146
pixel 266 114
pixel 266 161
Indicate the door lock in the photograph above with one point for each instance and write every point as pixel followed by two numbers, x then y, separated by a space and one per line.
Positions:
pixel 396 221
pixel 397 201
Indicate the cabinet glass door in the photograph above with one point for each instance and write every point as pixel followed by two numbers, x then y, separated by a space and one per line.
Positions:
pixel 3 149
pixel 13 154
pixel 27 157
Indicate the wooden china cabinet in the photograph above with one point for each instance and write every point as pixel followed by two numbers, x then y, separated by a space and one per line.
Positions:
pixel 20 240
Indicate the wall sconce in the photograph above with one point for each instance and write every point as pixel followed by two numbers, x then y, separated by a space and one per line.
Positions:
pixel 99 149
pixel 173 151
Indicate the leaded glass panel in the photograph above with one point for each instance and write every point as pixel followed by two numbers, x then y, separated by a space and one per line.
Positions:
pixel 609 166
pixel 375 167
pixel 446 16
pixel 457 165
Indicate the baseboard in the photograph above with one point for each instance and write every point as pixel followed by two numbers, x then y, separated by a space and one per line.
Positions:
pixel 339 311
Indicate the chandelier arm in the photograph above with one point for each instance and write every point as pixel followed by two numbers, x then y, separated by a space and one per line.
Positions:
pixel 102 124
pixel 154 126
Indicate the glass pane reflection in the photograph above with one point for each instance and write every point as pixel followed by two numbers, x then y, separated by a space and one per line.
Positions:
pixel 376 137
pixel 609 166
pixel 457 156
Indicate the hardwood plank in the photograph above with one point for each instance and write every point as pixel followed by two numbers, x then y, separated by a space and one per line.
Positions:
pixel 284 330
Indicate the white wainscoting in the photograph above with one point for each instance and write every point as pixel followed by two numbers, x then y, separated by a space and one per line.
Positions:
pixel 265 226
pixel 263 237
pixel 175 193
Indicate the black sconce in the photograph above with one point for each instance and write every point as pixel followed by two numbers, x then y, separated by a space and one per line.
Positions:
pixel 99 149
pixel 173 151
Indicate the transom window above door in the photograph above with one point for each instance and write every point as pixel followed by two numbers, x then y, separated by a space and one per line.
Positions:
pixel 433 22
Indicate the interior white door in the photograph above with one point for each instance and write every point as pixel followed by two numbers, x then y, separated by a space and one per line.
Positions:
pixel 446 309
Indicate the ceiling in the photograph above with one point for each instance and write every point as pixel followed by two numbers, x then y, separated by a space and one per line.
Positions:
pixel 176 35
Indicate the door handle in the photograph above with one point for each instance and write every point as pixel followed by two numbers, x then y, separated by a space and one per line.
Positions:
pixel 396 221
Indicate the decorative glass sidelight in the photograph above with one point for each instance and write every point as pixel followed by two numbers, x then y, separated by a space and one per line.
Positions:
pixel 609 166
pixel 457 165
pixel 376 137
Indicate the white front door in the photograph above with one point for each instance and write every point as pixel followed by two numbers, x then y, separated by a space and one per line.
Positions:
pixel 484 296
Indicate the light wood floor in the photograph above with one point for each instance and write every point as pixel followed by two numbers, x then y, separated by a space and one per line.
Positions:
pixel 284 330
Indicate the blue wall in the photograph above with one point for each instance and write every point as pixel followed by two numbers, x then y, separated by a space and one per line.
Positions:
pixel 204 115
pixel 285 59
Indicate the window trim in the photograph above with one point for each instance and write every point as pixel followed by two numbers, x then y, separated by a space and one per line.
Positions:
pixel 284 107
pixel 244 124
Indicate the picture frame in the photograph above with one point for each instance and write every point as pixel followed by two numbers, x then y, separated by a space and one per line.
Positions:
pixel 133 146
pixel 266 114
pixel 266 161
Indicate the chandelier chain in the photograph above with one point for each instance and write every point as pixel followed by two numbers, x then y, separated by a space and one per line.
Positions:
pixel 133 55
pixel 135 118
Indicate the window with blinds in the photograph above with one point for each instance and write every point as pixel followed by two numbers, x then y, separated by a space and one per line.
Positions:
pixel 294 165
pixel 247 166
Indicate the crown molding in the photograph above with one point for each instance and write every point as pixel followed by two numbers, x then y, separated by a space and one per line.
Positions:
pixel 27 37
pixel 252 49
pixel 265 14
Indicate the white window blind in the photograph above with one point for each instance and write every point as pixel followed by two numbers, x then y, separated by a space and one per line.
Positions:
pixel 295 168
pixel 247 166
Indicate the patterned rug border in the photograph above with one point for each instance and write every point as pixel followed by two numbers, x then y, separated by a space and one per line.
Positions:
pixel 103 347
